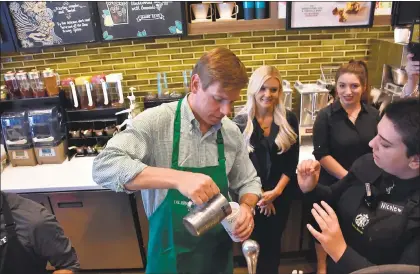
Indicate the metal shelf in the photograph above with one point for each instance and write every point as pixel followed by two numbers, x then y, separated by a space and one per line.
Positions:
pixel 95 120
pixel 76 115
pixel 91 137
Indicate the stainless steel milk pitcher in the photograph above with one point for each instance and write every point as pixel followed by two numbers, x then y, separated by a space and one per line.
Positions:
pixel 204 217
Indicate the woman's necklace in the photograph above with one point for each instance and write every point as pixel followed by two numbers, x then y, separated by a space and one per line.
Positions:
pixel 265 123
pixel 353 116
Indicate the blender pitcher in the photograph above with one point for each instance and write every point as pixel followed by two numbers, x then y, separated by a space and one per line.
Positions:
pixel 70 91
pixel 99 90
pixel 84 90
pixel 37 86
pixel 113 81
pixel 52 81
pixel 23 83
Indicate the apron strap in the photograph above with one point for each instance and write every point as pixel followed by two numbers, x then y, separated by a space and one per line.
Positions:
pixel 220 146
pixel 177 137
pixel 10 224
pixel 177 134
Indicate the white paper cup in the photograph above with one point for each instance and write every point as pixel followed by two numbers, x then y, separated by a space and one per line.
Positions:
pixel 229 222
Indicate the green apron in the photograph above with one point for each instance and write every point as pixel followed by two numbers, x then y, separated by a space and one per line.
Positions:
pixel 171 248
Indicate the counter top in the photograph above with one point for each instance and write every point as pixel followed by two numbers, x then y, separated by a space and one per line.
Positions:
pixel 74 175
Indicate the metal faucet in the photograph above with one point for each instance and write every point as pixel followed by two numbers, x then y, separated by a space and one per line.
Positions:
pixel 251 250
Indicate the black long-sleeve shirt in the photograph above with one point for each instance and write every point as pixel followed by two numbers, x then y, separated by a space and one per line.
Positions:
pixel 40 233
pixel 387 231
pixel 335 135
pixel 269 164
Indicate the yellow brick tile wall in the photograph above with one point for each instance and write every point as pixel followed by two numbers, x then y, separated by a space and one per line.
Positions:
pixel 297 54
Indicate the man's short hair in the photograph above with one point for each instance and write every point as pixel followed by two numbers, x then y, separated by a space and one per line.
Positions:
pixel 223 66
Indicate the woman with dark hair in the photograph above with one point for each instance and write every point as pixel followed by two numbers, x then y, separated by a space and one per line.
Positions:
pixel 376 215
pixel 343 129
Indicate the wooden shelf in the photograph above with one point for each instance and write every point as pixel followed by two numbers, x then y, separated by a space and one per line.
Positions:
pixel 236 26
pixel 382 20
pixel 272 23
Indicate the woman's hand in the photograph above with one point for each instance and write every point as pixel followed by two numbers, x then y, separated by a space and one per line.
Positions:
pixel 269 197
pixel 331 237
pixel 308 174
pixel 268 210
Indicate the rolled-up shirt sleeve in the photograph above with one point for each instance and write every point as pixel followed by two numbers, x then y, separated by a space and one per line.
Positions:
pixel 124 155
pixel 243 177
pixel 321 139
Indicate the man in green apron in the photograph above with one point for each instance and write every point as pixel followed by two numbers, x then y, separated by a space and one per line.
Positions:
pixel 182 151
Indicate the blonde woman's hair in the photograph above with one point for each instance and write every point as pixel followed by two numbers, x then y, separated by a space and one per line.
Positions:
pixel 286 136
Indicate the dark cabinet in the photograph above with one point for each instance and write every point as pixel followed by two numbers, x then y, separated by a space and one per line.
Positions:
pixel 7 34
pixel 100 227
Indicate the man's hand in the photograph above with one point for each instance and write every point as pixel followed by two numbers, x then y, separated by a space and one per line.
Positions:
pixel 331 237
pixel 308 175
pixel 63 271
pixel 198 187
pixel 413 67
pixel 268 197
pixel 244 224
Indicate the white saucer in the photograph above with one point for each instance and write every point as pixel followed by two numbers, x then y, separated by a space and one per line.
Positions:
pixel 201 20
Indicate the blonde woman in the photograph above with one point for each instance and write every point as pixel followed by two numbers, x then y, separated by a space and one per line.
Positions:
pixel 271 136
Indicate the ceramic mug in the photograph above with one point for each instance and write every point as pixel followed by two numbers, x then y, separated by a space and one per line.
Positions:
pixel 401 35
pixel 226 10
pixel 201 11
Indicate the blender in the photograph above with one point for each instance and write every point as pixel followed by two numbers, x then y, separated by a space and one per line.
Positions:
pixel 18 139
pixel 47 131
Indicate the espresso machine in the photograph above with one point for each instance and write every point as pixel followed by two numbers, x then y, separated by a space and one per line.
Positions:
pixel 387 76
pixel 312 98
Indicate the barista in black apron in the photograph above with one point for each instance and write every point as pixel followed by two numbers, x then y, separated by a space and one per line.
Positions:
pixel 14 259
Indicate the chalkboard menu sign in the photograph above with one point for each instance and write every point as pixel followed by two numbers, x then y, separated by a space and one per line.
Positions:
pixel 130 19
pixel 48 23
